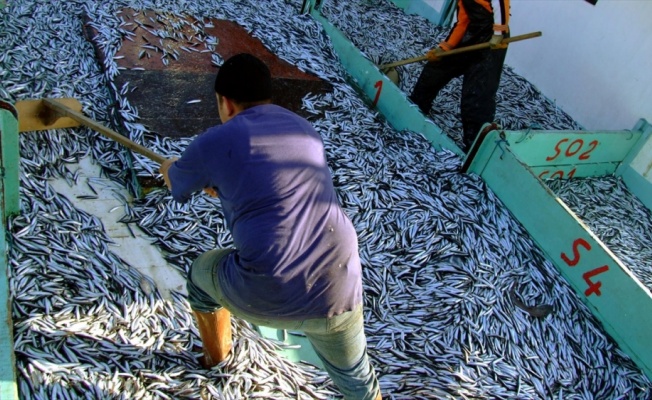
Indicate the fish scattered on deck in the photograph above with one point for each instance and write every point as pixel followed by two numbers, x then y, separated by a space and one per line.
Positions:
pixel 440 252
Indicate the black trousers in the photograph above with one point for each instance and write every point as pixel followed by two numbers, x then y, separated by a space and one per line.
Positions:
pixel 481 70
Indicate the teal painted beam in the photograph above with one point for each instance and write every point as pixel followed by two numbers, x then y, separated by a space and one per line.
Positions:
pixel 548 148
pixel 382 92
pixel 581 154
pixel 448 13
pixel 8 389
pixel 10 159
pixel 614 295
pixel 8 141
pixel 568 171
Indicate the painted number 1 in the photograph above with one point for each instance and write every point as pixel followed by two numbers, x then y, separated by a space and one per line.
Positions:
pixel 379 88
pixel 593 287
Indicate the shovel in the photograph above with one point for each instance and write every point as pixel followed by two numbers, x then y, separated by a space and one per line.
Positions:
pixel 390 70
pixel 38 115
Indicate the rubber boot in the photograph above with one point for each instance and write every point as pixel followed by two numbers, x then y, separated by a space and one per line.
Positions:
pixel 215 333
pixel 468 137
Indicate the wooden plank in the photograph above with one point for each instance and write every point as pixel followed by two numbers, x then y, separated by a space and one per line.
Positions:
pixel 62 109
pixel 459 50
pixel 29 115
pixel 615 296
pixel 8 202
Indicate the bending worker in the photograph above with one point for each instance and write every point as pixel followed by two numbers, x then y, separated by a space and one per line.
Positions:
pixel 481 68
pixel 295 264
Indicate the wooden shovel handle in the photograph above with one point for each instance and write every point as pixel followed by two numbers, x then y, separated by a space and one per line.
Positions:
pixel 65 111
pixel 460 50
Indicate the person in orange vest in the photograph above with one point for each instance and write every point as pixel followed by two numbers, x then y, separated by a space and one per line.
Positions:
pixel 477 22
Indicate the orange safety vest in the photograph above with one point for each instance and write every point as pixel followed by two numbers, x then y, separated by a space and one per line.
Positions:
pixel 479 13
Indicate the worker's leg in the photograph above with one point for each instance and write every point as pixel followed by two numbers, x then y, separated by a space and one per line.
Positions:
pixel 339 342
pixel 481 81
pixel 433 77
pixel 213 320
pixel 342 347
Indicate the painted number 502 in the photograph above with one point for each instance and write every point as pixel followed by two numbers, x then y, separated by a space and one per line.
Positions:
pixel 572 149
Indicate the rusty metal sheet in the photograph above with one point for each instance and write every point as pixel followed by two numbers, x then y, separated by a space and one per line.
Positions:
pixel 165 60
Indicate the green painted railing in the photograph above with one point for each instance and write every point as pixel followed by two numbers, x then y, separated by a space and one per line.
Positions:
pixel 10 163
pixel 579 154
pixel 575 154
pixel 8 205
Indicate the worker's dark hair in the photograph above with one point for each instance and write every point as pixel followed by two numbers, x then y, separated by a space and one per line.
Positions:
pixel 245 79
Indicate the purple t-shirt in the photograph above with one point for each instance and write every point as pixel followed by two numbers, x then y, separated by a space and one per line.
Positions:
pixel 297 251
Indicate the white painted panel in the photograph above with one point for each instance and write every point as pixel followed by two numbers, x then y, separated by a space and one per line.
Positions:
pixel 594 61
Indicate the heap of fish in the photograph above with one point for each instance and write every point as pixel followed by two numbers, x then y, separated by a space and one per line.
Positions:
pixel 459 301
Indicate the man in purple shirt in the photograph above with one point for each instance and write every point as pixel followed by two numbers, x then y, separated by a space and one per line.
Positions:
pixel 295 264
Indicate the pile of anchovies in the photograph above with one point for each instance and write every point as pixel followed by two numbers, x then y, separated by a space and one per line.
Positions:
pixel 459 301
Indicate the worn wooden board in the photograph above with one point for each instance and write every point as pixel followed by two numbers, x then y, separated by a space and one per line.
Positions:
pixel 30 114
pixel 181 103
